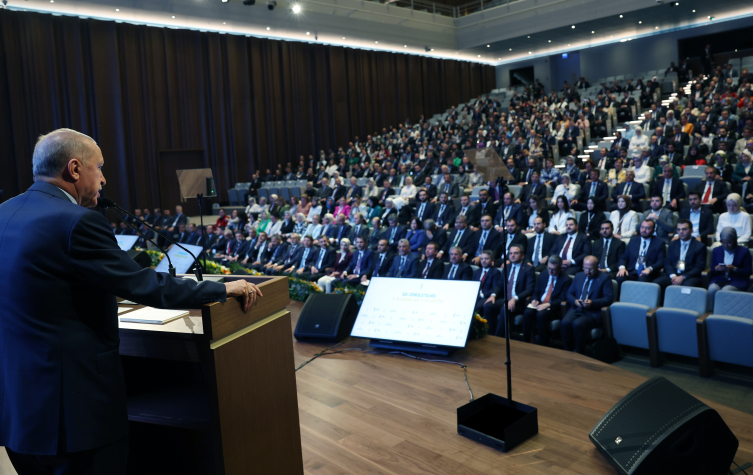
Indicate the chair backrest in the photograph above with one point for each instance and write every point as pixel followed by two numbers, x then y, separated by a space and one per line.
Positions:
pixel 734 304
pixel 686 298
pixel 642 293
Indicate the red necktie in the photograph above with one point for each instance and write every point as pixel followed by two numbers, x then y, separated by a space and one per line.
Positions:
pixel 426 270
pixel 549 289
pixel 707 195
pixel 567 247
pixel 483 278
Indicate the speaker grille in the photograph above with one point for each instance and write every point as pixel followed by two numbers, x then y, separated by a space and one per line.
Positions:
pixel 642 419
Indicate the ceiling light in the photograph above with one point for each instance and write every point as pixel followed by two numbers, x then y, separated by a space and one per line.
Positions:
pixel 592 32
pixel 224 1
pixel 510 49
pixel 405 46
pixel 117 9
pixel 431 49
pixel 550 41
pixel 376 42
pixel 296 8
pixel 268 28
pixel 52 1
pixel 479 56
pixel 573 27
pixel 271 5
pixel 308 33
pixel 568 44
pixel 656 28
pixel 488 46
pixel 640 22
pixel 620 16
pixel 529 52
pixel 223 22
pixel 529 36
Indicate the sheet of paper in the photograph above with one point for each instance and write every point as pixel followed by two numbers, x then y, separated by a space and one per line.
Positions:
pixel 127 302
pixel 153 315
pixel 124 309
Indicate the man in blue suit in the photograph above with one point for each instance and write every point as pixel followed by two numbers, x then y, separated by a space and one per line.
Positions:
pixel 353 190
pixel 551 288
pixel 457 269
pixel 304 258
pixel 520 286
pixel 508 209
pixel 644 256
pixel 445 211
pixel 62 387
pixel 486 239
pixel 461 236
pixel 593 187
pixel 590 291
pixel 617 144
pixel 701 217
pixel 685 261
pixel 432 267
pixel 631 188
pixel 424 207
pixel 394 232
pixel 323 260
pixel 572 247
pixel 405 264
pixel 360 263
pixel 490 277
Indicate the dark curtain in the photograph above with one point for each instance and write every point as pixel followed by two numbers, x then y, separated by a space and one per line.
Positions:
pixel 250 103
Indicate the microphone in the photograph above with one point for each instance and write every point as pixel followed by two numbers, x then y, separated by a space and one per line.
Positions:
pixel 170 269
pixel 108 203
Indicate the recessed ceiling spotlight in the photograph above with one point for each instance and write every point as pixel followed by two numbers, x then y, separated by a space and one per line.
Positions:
pixel 296 8
pixel 308 33
pixel 117 9
pixel 640 22
pixel 488 46
pixel 529 52
pixel 550 41
pixel 620 16
pixel 405 46
pixel 529 36
pixel 510 49
pixel 573 27
pixel 224 1
pixel 479 56
pixel 592 32
pixel 51 1
pixel 268 28
pixel 568 44
pixel 693 11
pixel 376 42
pixel 343 37
pixel 223 22
pixel 656 28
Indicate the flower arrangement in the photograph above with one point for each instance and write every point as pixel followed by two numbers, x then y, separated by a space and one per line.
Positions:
pixel 349 289
pixel 156 256
pixel 479 327
pixel 235 267
pixel 301 289
pixel 215 268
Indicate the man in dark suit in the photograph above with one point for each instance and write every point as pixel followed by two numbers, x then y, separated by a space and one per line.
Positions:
pixel 431 267
pixel 685 261
pixel 461 236
pixel 324 192
pixel 382 260
pixel 630 187
pixel 713 192
pixel 465 210
pixel 539 246
pixel 485 239
pixel 590 291
pixel 452 189
pixel 520 285
pixel 662 217
pixel 64 398
pixel 508 209
pixel 404 264
pixel 457 269
pixel 303 259
pixel 431 188
pixel 514 171
pixel 359 229
pixel 145 235
pixel 485 205
pixel 353 190
pixel 394 232
pixel 444 211
pixel 608 250
pixel 644 256
pixel 386 192
pixel 424 207
pixel 701 218
pixel 253 254
pixel 490 277
pixel 180 218
pixel 362 261
pixel 342 230
pixel 572 247
pixel 274 251
pixel 284 258
pixel 211 237
pixel 551 288
pixel 514 236
pixel 592 187
pixel 323 260
pixel 534 188
pixel 669 188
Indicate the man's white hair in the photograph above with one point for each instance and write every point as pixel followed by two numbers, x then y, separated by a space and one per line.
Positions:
pixel 53 151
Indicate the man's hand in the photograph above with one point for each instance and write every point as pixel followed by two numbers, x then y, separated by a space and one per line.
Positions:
pixel 492 299
pixel 566 264
pixel 543 306
pixel 646 271
pixel 578 303
pixel 475 260
pixel 713 201
pixel 364 278
pixel 244 289
pixel 678 279
pixel 587 303
pixel 314 270
pixel 622 273
pixel 511 304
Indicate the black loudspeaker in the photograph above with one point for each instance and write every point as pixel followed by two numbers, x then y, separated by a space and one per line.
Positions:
pixel 326 317
pixel 141 258
pixel 660 429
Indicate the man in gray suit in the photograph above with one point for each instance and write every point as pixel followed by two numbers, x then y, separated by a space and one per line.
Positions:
pixel 663 217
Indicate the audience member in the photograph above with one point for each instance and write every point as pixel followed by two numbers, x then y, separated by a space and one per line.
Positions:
pixel 520 285
pixel 589 292
pixel 643 257
pixel 685 261
pixel 551 289
pixel 608 250
pixel 572 247
pixel 730 266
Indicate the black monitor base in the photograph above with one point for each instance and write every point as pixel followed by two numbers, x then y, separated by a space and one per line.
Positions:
pixel 491 421
pixel 413 347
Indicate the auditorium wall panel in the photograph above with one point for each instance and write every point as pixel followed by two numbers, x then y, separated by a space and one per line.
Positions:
pixel 249 102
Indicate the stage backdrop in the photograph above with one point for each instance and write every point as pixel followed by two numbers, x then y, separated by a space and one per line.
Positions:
pixel 250 103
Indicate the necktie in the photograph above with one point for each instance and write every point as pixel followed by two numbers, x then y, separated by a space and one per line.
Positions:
pixel 321 258
pixel 537 250
pixel 481 242
pixel 400 269
pixel 340 233
pixel 593 189
pixel 586 289
pixel 357 270
pixel 426 270
pixel 605 253
pixel 392 236
pixel 381 261
pixel 439 217
pixel 511 282
pixel 507 212
pixel 421 211
pixel 666 190
pixel 707 194
pixel 458 235
pixel 640 265
pixel 447 188
pixel 483 277
pixel 452 272
pixel 627 189
pixel 549 289
pixel 462 211
pixel 305 255
pixel 563 255
pixel 684 250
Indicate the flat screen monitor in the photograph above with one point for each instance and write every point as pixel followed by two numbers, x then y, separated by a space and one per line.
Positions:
pixel 126 242
pixel 427 313
pixel 181 259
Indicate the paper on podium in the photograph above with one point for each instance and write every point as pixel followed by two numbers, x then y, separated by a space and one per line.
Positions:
pixel 124 309
pixel 154 316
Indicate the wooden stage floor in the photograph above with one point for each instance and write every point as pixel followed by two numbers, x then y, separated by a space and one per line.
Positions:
pixel 370 412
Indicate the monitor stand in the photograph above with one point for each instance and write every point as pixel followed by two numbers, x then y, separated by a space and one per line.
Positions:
pixel 413 347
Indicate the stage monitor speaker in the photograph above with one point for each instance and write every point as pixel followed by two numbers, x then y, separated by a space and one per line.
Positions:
pixel 660 429
pixel 326 317
pixel 141 258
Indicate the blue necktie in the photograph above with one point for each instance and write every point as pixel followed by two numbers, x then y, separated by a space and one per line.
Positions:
pixel 642 253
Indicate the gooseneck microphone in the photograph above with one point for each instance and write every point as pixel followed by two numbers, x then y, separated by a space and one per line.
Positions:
pixel 108 203
pixel 170 268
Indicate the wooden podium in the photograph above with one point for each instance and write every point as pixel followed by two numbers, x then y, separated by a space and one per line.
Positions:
pixel 214 392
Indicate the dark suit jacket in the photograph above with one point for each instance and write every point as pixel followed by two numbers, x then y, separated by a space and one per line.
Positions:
pixel 706 221
pixel 516 211
pixel 546 246
pixel 453 192
pixel 677 190
pixel 518 238
pixel 592 228
pixel 428 210
pixel 274 255
pixel 446 216
pixel 637 192
pixel 328 259
pixel 581 247
pixel 558 293
pixel 464 272
pixel 695 259
pixel 435 270
pixel 62 385
pixel 528 191
pixel 410 268
pixel 601 294
pixel 490 209
pixel 363 231
pixel 719 190
pixel 384 194
pixel 493 242
pixel 399 233
pixel 654 254
pixel 367 261
pixel 353 191
pixel 384 267
pixel 335 231
pixel 492 283
pixel 614 253
pixel 525 283
pixel 288 257
pixel 298 261
pixel 465 242
pixel 600 196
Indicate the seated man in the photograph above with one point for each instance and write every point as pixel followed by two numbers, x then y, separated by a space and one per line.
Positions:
pixel 551 288
pixel 539 245
pixel 701 218
pixel 360 263
pixel 382 261
pixel 590 291
pixel 730 266
pixel 457 270
pixel 572 247
pixel 394 232
pixel 275 250
pixel 508 209
pixel 325 258
pixel 520 285
pixel 643 257
pixel 431 267
pixel 608 250
pixel 685 261
pixel 595 188
pixel 629 187
pixel 663 217
pixel 404 264
pixel 491 287
pixel 713 191
pixel 445 211
pixel 461 237
pixel 285 258
pixel 303 259
pixel 669 188
pixel 485 239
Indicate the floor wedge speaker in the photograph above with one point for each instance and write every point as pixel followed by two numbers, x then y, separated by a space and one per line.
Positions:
pixel 660 429
pixel 326 317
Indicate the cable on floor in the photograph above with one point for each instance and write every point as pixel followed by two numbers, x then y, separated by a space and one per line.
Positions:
pixel 465 368
pixel 324 353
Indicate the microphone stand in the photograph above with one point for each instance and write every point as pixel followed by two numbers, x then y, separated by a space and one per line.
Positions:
pixel 170 268
pixel 203 231
pixel 107 203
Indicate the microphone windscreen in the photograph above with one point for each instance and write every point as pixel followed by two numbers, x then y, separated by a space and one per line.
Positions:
pixel 105 202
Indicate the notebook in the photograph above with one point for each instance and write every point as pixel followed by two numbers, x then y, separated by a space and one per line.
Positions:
pixel 154 316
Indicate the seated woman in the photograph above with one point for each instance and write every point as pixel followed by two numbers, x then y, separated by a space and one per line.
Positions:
pixel 329 206
pixel 342 260
pixel 389 208
pixel 263 206
pixel 735 217
pixel 591 220
pixel 565 188
pixel 294 204
pixel 571 169
pixel 375 211
pixel 534 211
pixel 253 208
pixel 304 206
pixel 724 169
pixel 342 208
pixel 264 222
pixel 315 210
pixel 730 266
pixel 694 157
pixel 408 192
pixel 557 223
pixel 234 222
pixel 416 236
pixel 624 220
pixel 370 189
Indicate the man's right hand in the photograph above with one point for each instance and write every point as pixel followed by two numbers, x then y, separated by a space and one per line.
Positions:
pixel 622 273
pixel 244 289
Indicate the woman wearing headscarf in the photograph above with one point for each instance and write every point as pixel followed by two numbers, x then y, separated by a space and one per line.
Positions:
pixel 624 220
pixel 566 188
pixel 719 161
pixel 735 217
pixel 730 266
pixel 694 157
pixel 744 169
pixel 637 143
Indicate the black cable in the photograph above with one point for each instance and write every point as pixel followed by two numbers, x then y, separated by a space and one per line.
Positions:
pixel 465 368
pixel 324 353
pixel 739 468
